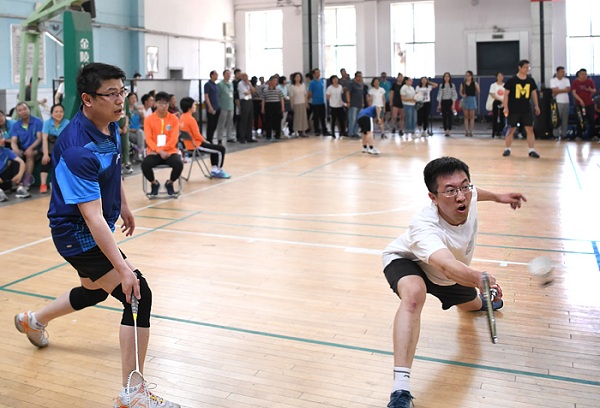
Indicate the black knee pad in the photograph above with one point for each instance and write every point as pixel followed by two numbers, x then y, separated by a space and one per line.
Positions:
pixel 80 297
pixel 145 304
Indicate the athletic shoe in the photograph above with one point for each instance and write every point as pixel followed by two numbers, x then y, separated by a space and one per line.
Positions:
pixel 22 192
pixel 220 174
pixel 154 188
pixel 534 155
pixel 506 153
pixel 495 305
pixel 137 401
pixel 373 150
pixel 401 399
pixel 128 169
pixel 3 196
pixel 169 187
pixel 37 337
pixel 365 150
pixel 43 189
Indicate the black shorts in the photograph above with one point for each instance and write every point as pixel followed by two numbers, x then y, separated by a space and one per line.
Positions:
pixel 92 264
pixel 448 295
pixel 521 118
pixel 365 123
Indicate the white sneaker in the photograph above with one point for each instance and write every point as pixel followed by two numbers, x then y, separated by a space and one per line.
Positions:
pixel 37 336
pixel 373 150
pixel 3 196
pixel 365 150
pixel 22 192
pixel 137 401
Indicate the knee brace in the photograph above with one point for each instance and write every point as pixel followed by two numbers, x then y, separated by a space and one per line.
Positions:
pixel 145 304
pixel 80 297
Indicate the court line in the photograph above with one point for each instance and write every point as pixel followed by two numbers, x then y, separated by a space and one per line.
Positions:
pixel 349 214
pixel 573 167
pixel 39 241
pixel 341 345
pixel 328 163
pixel 596 252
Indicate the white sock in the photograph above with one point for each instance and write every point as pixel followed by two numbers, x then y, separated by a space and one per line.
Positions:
pixel 531 149
pixel 34 322
pixel 401 378
pixel 508 148
pixel 215 168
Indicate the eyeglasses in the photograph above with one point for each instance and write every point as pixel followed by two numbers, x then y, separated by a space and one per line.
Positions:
pixel 453 192
pixel 113 95
pixel 163 103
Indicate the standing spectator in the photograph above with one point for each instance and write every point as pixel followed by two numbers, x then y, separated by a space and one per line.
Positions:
pixel 377 98
pixel 494 104
pixel 334 96
pixel 26 138
pixel 134 83
pixel 272 108
pixel 136 134
pixel 345 82
pixel 50 131
pixel 354 94
pixel 12 168
pixel 424 89
pixel 173 108
pixel 213 109
pixel 187 123
pixel 583 92
pixel 309 111
pixel 283 87
pixel 446 98
pixel 519 91
pixel 161 130
pixel 257 89
pixel 469 90
pixel 237 74
pixel 397 106
pixel 227 108
pixel 410 112
pixel 561 86
pixel 60 91
pixel 316 91
pixel 299 103
pixel 387 85
pixel 124 132
pixel 245 91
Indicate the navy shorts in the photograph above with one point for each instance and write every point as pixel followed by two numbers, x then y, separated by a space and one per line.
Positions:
pixel 92 264
pixel 365 123
pixel 520 118
pixel 449 295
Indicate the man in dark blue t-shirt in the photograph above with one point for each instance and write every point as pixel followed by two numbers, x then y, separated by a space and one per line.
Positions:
pixel 316 91
pixel 87 200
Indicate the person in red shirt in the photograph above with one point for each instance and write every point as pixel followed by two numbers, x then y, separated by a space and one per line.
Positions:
pixel 583 89
pixel 161 131
pixel 187 123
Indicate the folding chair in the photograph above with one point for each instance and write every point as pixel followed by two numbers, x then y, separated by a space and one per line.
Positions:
pixel 163 193
pixel 196 154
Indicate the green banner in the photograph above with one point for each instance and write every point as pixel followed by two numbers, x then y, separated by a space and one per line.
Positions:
pixel 78 51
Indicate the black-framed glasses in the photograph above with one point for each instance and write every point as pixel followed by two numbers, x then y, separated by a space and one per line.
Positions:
pixel 453 192
pixel 113 95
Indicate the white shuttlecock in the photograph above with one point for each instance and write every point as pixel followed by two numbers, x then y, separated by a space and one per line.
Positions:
pixel 540 266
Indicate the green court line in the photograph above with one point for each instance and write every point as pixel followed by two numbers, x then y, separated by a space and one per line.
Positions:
pixel 342 346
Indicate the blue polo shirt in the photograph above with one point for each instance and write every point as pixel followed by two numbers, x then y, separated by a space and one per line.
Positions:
pixel 371 111
pixel 53 131
pixel 6 155
pixel 6 133
pixel 26 135
pixel 87 166
pixel 318 92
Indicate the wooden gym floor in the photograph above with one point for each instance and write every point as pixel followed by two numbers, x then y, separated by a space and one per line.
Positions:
pixel 268 289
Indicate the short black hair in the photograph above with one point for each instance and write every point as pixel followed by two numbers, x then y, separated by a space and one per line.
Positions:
pixel 444 166
pixel 90 77
pixel 559 68
pixel 162 96
pixel 523 62
pixel 333 76
pixel 145 97
pixel 186 104
pixel 54 107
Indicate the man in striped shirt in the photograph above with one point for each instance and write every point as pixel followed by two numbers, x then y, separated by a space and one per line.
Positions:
pixel 273 107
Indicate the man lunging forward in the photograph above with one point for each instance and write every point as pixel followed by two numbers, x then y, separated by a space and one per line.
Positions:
pixel 433 256
pixel 87 199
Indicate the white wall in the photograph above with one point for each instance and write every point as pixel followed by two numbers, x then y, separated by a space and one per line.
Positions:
pixel 195 42
pixel 455 22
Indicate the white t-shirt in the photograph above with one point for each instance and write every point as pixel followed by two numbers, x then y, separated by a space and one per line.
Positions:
pixel 407 92
pixel 563 83
pixel 425 91
pixel 428 233
pixel 377 96
pixel 497 90
pixel 335 96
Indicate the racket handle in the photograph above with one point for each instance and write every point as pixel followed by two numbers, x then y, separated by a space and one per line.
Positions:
pixel 134 304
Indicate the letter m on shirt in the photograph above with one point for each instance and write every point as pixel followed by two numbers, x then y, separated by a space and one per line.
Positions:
pixel 522 91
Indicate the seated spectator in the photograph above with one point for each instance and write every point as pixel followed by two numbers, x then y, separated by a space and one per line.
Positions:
pixel 187 123
pixel 136 134
pixel 12 169
pixel 173 106
pixel 161 131
pixel 50 131
pixel 5 125
pixel 26 138
pixel 124 134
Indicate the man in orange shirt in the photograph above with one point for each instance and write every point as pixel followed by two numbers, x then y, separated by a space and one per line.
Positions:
pixel 187 123
pixel 162 135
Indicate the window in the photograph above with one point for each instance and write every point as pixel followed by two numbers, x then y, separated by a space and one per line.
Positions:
pixel 340 40
pixel 264 43
pixel 583 36
pixel 413 38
